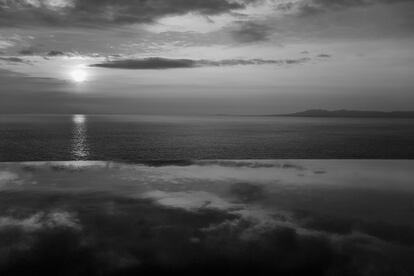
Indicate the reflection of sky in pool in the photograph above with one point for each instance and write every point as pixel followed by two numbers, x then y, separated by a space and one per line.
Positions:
pixel 289 217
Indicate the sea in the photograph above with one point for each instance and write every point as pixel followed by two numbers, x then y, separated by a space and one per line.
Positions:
pixel 136 138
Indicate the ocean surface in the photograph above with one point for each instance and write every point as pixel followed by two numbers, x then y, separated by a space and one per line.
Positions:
pixel 134 138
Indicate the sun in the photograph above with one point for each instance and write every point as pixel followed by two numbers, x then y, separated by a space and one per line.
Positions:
pixel 79 75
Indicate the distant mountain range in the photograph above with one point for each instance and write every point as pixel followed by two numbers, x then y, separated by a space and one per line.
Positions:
pixel 349 114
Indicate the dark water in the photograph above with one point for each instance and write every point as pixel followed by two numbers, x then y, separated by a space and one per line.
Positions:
pixel 137 138
pixel 272 217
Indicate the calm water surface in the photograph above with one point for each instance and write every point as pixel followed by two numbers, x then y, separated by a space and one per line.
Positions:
pixel 137 137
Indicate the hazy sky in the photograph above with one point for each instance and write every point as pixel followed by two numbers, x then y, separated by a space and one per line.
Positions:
pixel 205 56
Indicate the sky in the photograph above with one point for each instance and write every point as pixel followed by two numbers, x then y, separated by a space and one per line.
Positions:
pixel 205 56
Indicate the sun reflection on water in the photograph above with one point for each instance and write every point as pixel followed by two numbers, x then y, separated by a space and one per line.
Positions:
pixel 80 149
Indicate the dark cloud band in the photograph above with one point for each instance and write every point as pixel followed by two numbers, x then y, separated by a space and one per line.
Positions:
pixel 309 7
pixel 91 12
pixel 166 63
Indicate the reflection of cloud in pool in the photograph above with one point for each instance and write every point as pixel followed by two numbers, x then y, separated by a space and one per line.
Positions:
pixel 254 164
pixel 199 200
pixel 180 234
pixel 190 200
pixel 6 177
pixel 41 220
pixel 247 192
pixel 110 219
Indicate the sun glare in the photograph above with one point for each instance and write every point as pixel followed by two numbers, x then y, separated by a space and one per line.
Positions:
pixel 78 119
pixel 79 75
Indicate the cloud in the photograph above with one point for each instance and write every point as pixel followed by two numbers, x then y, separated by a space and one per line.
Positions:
pixel 26 52
pixel 55 53
pixel 317 20
pixel 310 7
pixel 248 32
pixel 148 63
pixel 13 59
pixel 91 12
pixel 315 6
pixel 167 63
pixel 5 44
